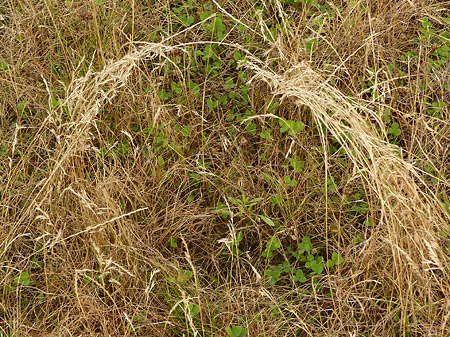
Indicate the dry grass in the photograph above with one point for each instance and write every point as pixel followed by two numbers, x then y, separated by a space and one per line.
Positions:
pixel 99 177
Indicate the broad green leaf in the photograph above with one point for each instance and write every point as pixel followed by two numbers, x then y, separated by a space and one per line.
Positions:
pixel 267 220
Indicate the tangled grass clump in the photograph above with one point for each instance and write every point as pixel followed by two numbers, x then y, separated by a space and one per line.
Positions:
pixel 213 168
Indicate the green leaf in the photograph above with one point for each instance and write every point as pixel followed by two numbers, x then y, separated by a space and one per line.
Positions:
pixel 267 220
pixel 272 245
pixel 87 278
pixel 218 27
pixel 284 125
pixel 267 253
pixel 251 128
pixel 223 210
pixel 229 84
pixel 173 242
pixel 193 309
pixel 272 107
pixel 299 276
pixel 187 21
pixel 394 130
pixel 357 239
pixel 273 275
pixel 237 56
pixel 204 15
pixel 289 182
pixel 184 276
pixel 266 134
pixel 208 52
pixel 212 104
pixel 369 222
pixel 316 265
pixel 239 237
pixel 276 200
pixel 305 245
pixel 2 150
pixel 22 104
pixel 163 94
pixel 56 102
pixel 3 65
pixel 241 28
pixel 149 130
pixel 309 45
pixel 176 87
pixel 338 259
pixel 22 279
pixel 185 130
pixel 292 127
pixel 236 331
pixel 297 165
pixel 330 263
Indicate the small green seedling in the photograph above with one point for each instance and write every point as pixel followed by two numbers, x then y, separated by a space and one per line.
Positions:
pixel 223 210
pixel 303 247
pixel 164 95
pixel 276 200
pixel 315 263
pixel 369 222
pixel 297 164
pixel 394 130
pixel 245 204
pixel 186 130
pixel 212 104
pixel 267 134
pixel 23 279
pixel 434 109
pixel 184 276
pixel 330 186
pixel 36 263
pixel 446 206
pixel 177 87
pixel 288 182
pixel 2 150
pixel 251 128
pixel 273 275
pixel 275 272
pixel 56 102
pixel 299 276
pixel 229 83
pixel 271 246
pixel 336 259
pixel 309 45
pixel 235 244
pixel 236 331
pixel 3 65
pixel 172 242
pixel 193 309
pixel 187 20
pixel 357 239
pixel 292 127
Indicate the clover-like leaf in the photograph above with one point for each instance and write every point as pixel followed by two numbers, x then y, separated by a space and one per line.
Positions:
pixel 289 182
pixel 305 245
pixel 184 276
pixel 292 127
pixel 236 331
pixel 299 276
pixel 193 309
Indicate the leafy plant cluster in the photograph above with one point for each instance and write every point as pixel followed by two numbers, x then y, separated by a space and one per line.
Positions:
pixel 307 262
